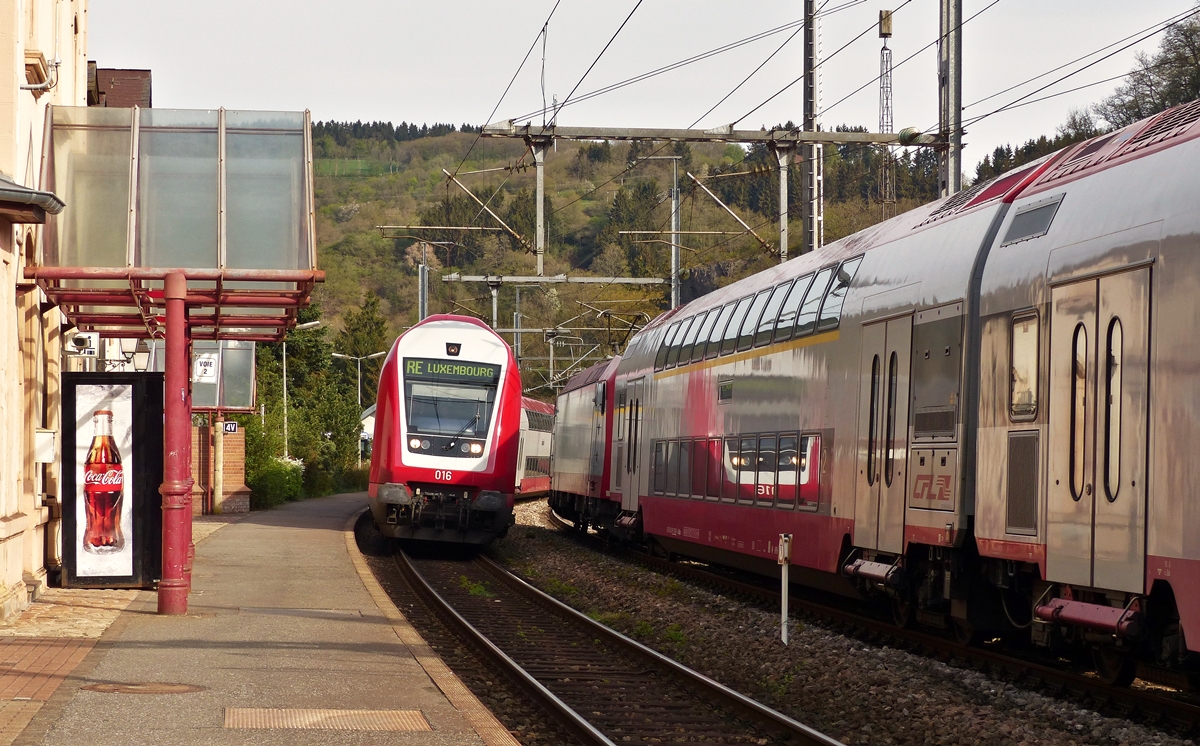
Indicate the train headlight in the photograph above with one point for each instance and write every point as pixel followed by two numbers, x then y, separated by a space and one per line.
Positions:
pixel 424 445
pixel 476 448
pixel 415 443
pixel 465 447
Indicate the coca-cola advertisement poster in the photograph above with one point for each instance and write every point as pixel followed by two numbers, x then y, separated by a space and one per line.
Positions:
pixel 112 469
pixel 103 503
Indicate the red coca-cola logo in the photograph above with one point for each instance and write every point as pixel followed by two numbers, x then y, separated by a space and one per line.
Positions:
pixel 110 480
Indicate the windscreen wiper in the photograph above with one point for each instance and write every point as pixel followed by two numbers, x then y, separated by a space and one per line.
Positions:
pixel 454 440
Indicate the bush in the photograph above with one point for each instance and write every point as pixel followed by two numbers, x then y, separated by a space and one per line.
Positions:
pixel 354 480
pixel 278 481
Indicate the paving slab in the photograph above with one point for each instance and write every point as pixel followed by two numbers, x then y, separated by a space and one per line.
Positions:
pixel 288 640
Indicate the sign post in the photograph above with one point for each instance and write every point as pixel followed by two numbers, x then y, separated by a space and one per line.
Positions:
pixel 785 559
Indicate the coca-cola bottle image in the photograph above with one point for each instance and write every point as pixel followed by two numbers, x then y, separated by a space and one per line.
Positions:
pixel 103 483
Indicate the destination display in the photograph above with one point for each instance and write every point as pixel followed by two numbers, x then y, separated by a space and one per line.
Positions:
pixel 447 370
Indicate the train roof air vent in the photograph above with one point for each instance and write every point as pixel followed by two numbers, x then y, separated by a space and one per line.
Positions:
pixel 954 203
pixel 1170 123
pixel 1087 156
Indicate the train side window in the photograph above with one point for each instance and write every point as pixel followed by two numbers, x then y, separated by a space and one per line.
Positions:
pixel 677 343
pixel 1112 417
pixel 729 343
pixel 660 359
pixel 718 331
pixel 746 336
pixel 699 467
pixel 764 480
pixel 706 332
pixel 766 325
pixel 747 468
pixel 791 306
pixel 600 399
pixel 873 425
pixel 689 342
pixel 1024 382
pixel 729 477
pixel 714 469
pixel 806 319
pixel 831 309
pixel 660 467
pixel 785 492
pixel 619 416
pixel 685 468
pixel 672 466
pixel 889 453
pixel 808 471
pixel 1079 374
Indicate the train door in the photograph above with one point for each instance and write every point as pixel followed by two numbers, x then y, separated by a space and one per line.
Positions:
pixel 596 461
pixel 883 435
pixel 1099 387
pixel 635 394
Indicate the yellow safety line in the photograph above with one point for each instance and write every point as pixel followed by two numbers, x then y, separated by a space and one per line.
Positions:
pixel 794 344
pixel 491 730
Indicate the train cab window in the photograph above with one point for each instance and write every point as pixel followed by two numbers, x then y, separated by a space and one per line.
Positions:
pixel 786 323
pixel 660 467
pixel 806 318
pixel 764 478
pixel 808 470
pixel 689 342
pixel 766 325
pixel 750 324
pixel 1112 415
pixel 1024 383
pixel 677 342
pixel 785 492
pixel 699 467
pixel 718 331
pixel 600 398
pixel 685 468
pixel 747 471
pixel 831 309
pixel 729 342
pixel 1079 376
pixel 729 477
pixel 672 466
pixel 715 469
pixel 660 360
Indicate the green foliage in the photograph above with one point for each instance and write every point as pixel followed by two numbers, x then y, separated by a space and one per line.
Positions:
pixel 1079 127
pixel 1169 77
pixel 364 332
pixel 473 588
pixel 275 482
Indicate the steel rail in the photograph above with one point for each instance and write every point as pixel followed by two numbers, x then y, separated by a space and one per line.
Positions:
pixel 1184 715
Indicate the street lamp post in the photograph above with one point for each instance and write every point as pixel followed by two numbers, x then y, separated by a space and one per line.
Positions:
pixel 298 328
pixel 358 360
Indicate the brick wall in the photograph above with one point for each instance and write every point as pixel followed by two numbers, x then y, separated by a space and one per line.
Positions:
pixel 237 494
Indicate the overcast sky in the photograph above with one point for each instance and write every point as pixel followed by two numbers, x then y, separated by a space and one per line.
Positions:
pixel 450 60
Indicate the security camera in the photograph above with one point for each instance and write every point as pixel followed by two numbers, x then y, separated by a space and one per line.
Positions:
pixel 83 344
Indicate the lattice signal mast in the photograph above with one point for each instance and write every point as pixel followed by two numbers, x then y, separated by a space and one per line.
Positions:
pixel 887 172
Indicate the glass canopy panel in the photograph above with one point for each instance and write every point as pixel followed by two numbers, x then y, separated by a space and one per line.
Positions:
pixel 92 161
pixel 265 191
pixel 177 188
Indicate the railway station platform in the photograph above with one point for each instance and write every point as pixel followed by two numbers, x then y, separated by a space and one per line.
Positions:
pixel 288 640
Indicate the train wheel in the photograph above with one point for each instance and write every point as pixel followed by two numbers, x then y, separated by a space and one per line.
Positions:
pixel 1114 667
pixel 904 612
pixel 369 539
pixel 965 633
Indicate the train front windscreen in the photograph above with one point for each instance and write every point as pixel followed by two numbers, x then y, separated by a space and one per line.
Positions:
pixel 448 404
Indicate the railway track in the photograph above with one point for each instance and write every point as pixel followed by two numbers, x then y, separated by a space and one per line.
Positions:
pixel 1163 708
pixel 600 685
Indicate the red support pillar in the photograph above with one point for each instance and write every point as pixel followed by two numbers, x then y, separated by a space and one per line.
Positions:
pixel 176 488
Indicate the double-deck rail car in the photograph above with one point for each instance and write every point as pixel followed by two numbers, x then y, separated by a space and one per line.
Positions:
pixel 533 455
pixel 583 441
pixel 447 434
pixel 981 411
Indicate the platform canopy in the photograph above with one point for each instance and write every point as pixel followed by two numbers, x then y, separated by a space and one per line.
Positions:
pixel 226 197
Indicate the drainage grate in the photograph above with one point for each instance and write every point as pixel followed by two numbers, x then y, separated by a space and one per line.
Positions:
pixel 149 687
pixel 395 720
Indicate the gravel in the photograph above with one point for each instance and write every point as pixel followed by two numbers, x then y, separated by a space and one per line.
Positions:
pixel 850 690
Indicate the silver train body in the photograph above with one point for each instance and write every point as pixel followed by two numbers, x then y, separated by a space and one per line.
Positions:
pixel 982 410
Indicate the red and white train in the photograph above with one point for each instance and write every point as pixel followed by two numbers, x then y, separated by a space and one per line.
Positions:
pixel 451 426
pixel 982 410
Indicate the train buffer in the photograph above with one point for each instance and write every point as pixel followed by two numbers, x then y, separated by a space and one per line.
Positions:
pixel 287 631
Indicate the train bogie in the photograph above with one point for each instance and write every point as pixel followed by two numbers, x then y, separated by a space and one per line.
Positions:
pixel 980 411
